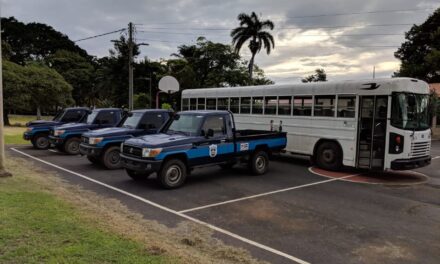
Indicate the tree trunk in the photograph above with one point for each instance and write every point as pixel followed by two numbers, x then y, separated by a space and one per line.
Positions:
pixel 38 113
pixel 6 118
pixel 251 65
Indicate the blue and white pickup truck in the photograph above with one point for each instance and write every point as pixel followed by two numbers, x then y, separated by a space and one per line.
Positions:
pixel 67 138
pixel 198 138
pixel 37 131
pixel 103 145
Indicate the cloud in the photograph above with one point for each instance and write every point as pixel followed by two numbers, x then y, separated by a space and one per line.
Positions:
pixel 308 34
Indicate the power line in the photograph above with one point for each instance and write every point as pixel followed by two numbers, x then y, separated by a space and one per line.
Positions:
pixel 100 35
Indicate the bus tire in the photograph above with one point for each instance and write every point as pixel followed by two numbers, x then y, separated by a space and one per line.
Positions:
pixel 111 158
pixel 259 162
pixel 172 174
pixel 41 142
pixel 137 176
pixel 71 146
pixel 329 156
pixel 93 159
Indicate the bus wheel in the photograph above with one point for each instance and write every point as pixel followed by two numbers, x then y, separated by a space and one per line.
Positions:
pixel 137 176
pixel 111 158
pixel 172 174
pixel 259 162
pixel 72 146
pixel 41 142
pixel 329 156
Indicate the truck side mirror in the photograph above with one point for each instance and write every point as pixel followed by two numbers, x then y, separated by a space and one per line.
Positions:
pixel 210 133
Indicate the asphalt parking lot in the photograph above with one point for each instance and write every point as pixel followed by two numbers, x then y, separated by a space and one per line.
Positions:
pixel 288 215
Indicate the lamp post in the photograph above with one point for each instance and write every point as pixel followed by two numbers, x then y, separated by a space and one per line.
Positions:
pixel 3 172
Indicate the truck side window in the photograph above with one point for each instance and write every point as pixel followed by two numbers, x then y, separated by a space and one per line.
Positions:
pixel 72 116
pixel 216 123
pixel 152 121
pixel 105 118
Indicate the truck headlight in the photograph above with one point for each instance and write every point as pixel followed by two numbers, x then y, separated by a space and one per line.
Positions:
pixel 149 153
pixel 58 132
pixel 29 129
pixel 95 140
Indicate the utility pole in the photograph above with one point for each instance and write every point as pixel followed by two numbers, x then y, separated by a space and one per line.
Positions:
pixel 3 172
pixel 130 66
pixel 374 72
pixel 151 99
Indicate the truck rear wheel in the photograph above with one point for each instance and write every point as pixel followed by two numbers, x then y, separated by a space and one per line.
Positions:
pixel 172 174
pixel 259 162
pixel 41 142
pixel 72 146
pixel 137 176
pixel 329 156
pixel 111 158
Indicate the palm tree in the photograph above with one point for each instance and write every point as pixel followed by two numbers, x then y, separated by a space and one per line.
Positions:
pixel 252 29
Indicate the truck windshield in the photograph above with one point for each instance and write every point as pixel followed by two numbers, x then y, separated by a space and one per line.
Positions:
pixel 91 117
pixel 133 120
pixel 185 124
pixel 410 111
pixel 58 116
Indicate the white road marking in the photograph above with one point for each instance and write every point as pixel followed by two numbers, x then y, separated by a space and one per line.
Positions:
pixel 215 228
pixel 436 157
pixel 264 194
pixel 52 150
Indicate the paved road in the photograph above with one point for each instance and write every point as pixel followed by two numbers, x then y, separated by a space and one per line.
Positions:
pixel 288 215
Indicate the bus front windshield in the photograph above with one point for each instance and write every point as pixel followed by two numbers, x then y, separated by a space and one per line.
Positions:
pixel 91 117
pixel 132 120
pixel 410 111
pixel 184 124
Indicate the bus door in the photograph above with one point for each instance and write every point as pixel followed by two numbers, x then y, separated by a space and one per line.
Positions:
pixel 372 132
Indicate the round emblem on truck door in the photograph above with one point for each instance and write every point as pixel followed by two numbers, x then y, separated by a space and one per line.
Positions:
pixel 213 151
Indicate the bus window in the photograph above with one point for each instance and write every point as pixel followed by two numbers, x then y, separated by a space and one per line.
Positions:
pixel 346 106
pixel 257 105
pixel 185 104
pixel 193 104
pixel 201 103
pixel 234 103
pixel 245 105
pixel 270 105
pixel 211 103
pixel 222 103
pixel 324 105
pixel 284 105
pixel 302 105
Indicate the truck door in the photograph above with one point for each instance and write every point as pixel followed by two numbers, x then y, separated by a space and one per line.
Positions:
pixel 219 147
pixel 372 132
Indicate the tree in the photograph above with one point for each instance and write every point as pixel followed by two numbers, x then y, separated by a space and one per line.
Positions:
pixel 420 53
pixel 14 87
pixel 319 76
pixel 77 71
pixel 35 41
pixel 47 88
pixel 252 29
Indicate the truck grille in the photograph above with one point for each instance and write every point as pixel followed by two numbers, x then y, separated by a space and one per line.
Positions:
pixel 420 149
pixel 132 151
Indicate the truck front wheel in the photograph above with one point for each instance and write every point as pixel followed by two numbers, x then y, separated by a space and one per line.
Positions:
pixel 259 162
pixel 111 158
pixel 41 142
pixel 172 174
pixel 72 146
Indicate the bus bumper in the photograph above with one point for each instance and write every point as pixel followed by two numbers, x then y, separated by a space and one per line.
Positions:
pixel 408 164
pixel 140 165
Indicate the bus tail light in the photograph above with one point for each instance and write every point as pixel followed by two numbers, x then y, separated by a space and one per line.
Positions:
pixel 396 143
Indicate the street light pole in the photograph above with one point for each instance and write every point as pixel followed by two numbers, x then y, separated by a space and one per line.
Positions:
pixel 3 172
pixel 130 66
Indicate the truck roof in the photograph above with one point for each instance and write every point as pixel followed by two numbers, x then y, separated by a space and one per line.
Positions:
pixel 76 108
pixel 204 112
pixel 110 109
pixel 149 110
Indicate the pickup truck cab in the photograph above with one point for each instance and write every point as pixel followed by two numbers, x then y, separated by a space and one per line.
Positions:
pixel 67 137
pixel 198 138
pixel 103 145
pixel 37 131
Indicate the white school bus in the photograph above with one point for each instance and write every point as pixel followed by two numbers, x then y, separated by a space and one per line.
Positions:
pixel 375 124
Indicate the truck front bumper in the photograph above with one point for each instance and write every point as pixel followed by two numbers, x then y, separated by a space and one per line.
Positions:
pixel 408 164
pixel 140 165
pixel 56 140
pixel 88 150
pixel 27 136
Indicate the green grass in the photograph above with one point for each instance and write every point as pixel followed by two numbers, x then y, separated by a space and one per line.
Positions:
pixel 14 135
pixel 38 227
pixel 23 119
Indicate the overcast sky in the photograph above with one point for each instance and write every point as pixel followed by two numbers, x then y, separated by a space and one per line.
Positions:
pixel 346 38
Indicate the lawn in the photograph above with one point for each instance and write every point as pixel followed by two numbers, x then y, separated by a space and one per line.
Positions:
pixel 23 119
pixel 14 135
pixel 38 227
